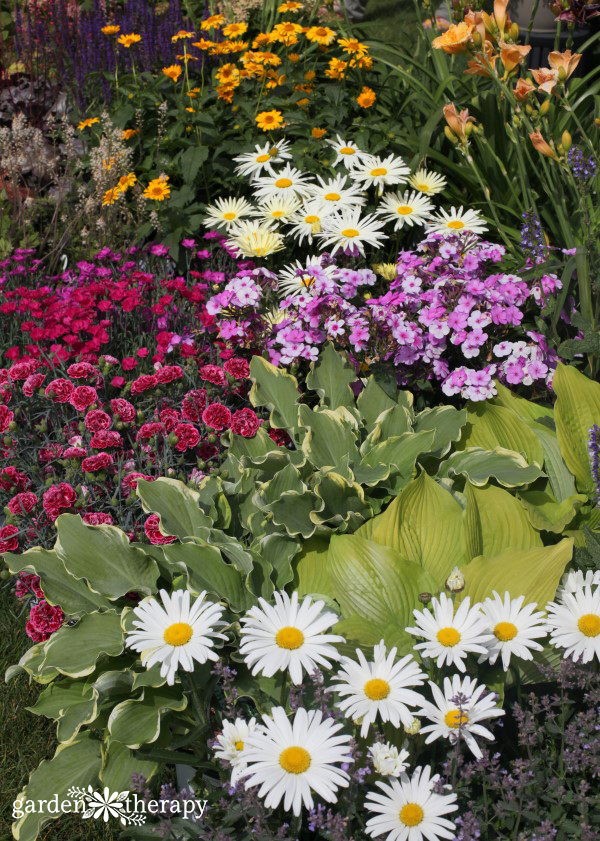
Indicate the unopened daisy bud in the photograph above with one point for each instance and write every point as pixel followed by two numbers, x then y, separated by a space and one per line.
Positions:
pixel 455 581
pixel 425 598
pixel 413 728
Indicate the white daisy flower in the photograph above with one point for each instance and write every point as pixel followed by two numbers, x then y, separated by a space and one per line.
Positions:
pixel 231 742
pixel 405 209
pixel 177 633
pixel 289 181
pixel 455 220
pixel 427 182
pixel 514 627
pixel 450 638
pixel 387 759
pixel 337 192
pixel 291 759
pixel 408 809
pixel 347 152
pixel 458 711
pixel 261 160
pixel 378 688
pixel 576 580
pixel 373 171
pixel 288 636
pixel 309 220
pixel 277 209
pixel 251 239
pixel 574 624
pixel 226 212
pixel 309 278
pixel 348 229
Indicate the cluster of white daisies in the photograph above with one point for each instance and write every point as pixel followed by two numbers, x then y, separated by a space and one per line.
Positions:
pixel 289 758
pixel 331 210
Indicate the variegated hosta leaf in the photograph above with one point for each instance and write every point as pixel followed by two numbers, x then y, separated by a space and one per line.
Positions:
pixel 577 409
pixel 507 467
pixel 177 506
pixel 490 426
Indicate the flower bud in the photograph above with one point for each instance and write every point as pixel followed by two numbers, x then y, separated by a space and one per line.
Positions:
pixel 450 135
pixel 413 728
pixel 514 30
pixel 545 107
pixel 566 141
pixel 425 598
pixel 455 581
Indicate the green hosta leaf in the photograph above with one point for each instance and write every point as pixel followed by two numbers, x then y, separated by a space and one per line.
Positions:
pixel 136 722
pixel 479 466
pixel 546 514
pixel 177 505
pixel 77 764
pixel 71 703
pixel 561 480
pixel 104 557
pixel 59 586
pixel 401 453
pixel 286 479
pixel 390 423
pixel 329 436
pixel 73 651
pixel 490 426
pixel 331 377
pixel 251 448
pixel 423 524
pixel 205 569
pixel 32 662
pixel 446 422
pixel 293 512
pixel 276 390
pixel 311 567
pixel 533 573
pixel 374 581
pixel 525 409
pixel 120 763
pixel 372 401
pixel 495 521
pixel 343 501
pixel 279 550
pixel 577 409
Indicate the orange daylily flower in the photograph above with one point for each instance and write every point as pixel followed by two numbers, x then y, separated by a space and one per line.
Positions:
pixel 541 146
pixel 512 55
pixel 566 61
pixel 523 88
pixel 546 79
pixel 455 39
pixel 458 121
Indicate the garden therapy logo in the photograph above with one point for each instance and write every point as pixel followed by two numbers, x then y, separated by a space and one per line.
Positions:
pixel 125 806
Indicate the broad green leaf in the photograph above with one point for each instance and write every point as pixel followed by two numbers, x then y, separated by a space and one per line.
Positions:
pixel 490 426
pixel 546 514
pixel 71 703
pixel 205 569
pixel 390 423
pixel 312 575
pixel 284 480
pixel 120 764
pixel 191 161
pixel 136 722
pixel 251 448
pixel 59 586
pixel 343 501
pixel 279 550
pixel 372 401
pixel 423 524
pixel 494 521
pixel 104 557
pixel 577 409
pixel 276 390
pixel 533 573
pixel 293 512
pixel 331 377
pixel 77 764
pixel 73 651
pixel 401 452
pixel 478 466
pixel 177 505
pixel 561 480
pixel 525 409
pixel 446 422
pixel 329 437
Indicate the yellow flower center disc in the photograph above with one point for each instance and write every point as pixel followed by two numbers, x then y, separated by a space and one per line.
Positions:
pixel 262 159
pixel 448 637
pixel 380 170
pixel 290 638
pixel 457 224
pixel 411 814
pixel 456 719
pixel 239 745
pixel 404 210
pixel 505 631
pixel 283 182
pixel 294 760
pixel 312 220
pixel 347 150
pixel 178 634
pixel 349 233
pixel 589 624
pixel 332 196
pixel 229 216
pixel 377 689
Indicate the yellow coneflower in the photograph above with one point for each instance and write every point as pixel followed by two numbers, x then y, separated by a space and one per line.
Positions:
pixel 268 120
pixel 235 30
pixel 291 6
pixel 111 29
pixel 90 121
pixel 320 35
pixel 110 196
pixel 353 46
pixel 212 22
pixel 128 133
pixel 172 72
pixel 318 133
pixel 158 189
pixel 126 181
pixel 181 35
pixel 128 40
pixel 366 97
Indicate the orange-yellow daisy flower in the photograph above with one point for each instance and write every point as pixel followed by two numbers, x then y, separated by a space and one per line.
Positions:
pixel 111 29
pixel 212 22
pixel 87 123
pixel 172 72
pixel 235 30
pixel 110 196
pixel 268 120
pixel 129 40
pixel 128 133
pixel 183 33
pixel 320 35
pixel 366 97
pixel 158 189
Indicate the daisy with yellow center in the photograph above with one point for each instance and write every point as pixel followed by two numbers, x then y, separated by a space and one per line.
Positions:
pixel 291 758
pixel 158 189
pixel 111 29
pixel 269 120
pixel 338 192
pixel 230 745
pixel 308 222
pixel 574 623
pixel 172 72
pixel 457 712
pixel 90 121
pixel 353 46
pixel 456 221
pixel 277 209
pixel 182 35
pixel 262 159
pixel 322 35
pixel 318 133
pixel 128 133
pixel 347 152
pixel 225 212
pixel 380 688
pixel 427 182
pixel 405 209
pixel 373 171
pixel 410 809
pixel 291 6
pixel 251 239
pixel 288 636
pixel 515 628
pixel 111 196
pixel 126 181
pixel 176 633
pixel 449 637
pixel 348 230
pixel 287 181
pixel 308 278
pixel 129 40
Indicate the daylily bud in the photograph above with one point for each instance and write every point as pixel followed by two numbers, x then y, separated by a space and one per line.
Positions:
pixel 514 30
pixel 545 107
pixel 566 141
pixel 540 144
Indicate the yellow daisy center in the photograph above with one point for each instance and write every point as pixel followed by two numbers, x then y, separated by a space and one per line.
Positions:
pixel 379 170
pixel 411 814
pixel 422 187
pixel 377 689
pixel 448 637
pixel 283 182
pixel 295 760
pixel 404 210
pixel 290 638
pixel 457 224
pixel 277 213
pixel 229 216
pixel 350 233
pixel 456 719
pixel 307 281
pixel 589 624
pixel 505 631
pixel 262 159
pixel 178 634
pixel 332 196
pixel 347 150
pixel 311 220
pixel 239 745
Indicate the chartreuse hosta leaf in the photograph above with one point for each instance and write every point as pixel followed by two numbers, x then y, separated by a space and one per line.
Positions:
pixel 495 520
pixel 331 377
pixel 277 391
pixel 136 722
pixel 59 586
pixel 424 525
pixel 560 477
pixel 507 467
pixel 546 514
pixel 489 426
pixel 577 409
pixel 177 505
pixel 527 410
pixel 533 573
pixel 76 764
pixel 104 557
pixel 311 571
pixel 74 651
